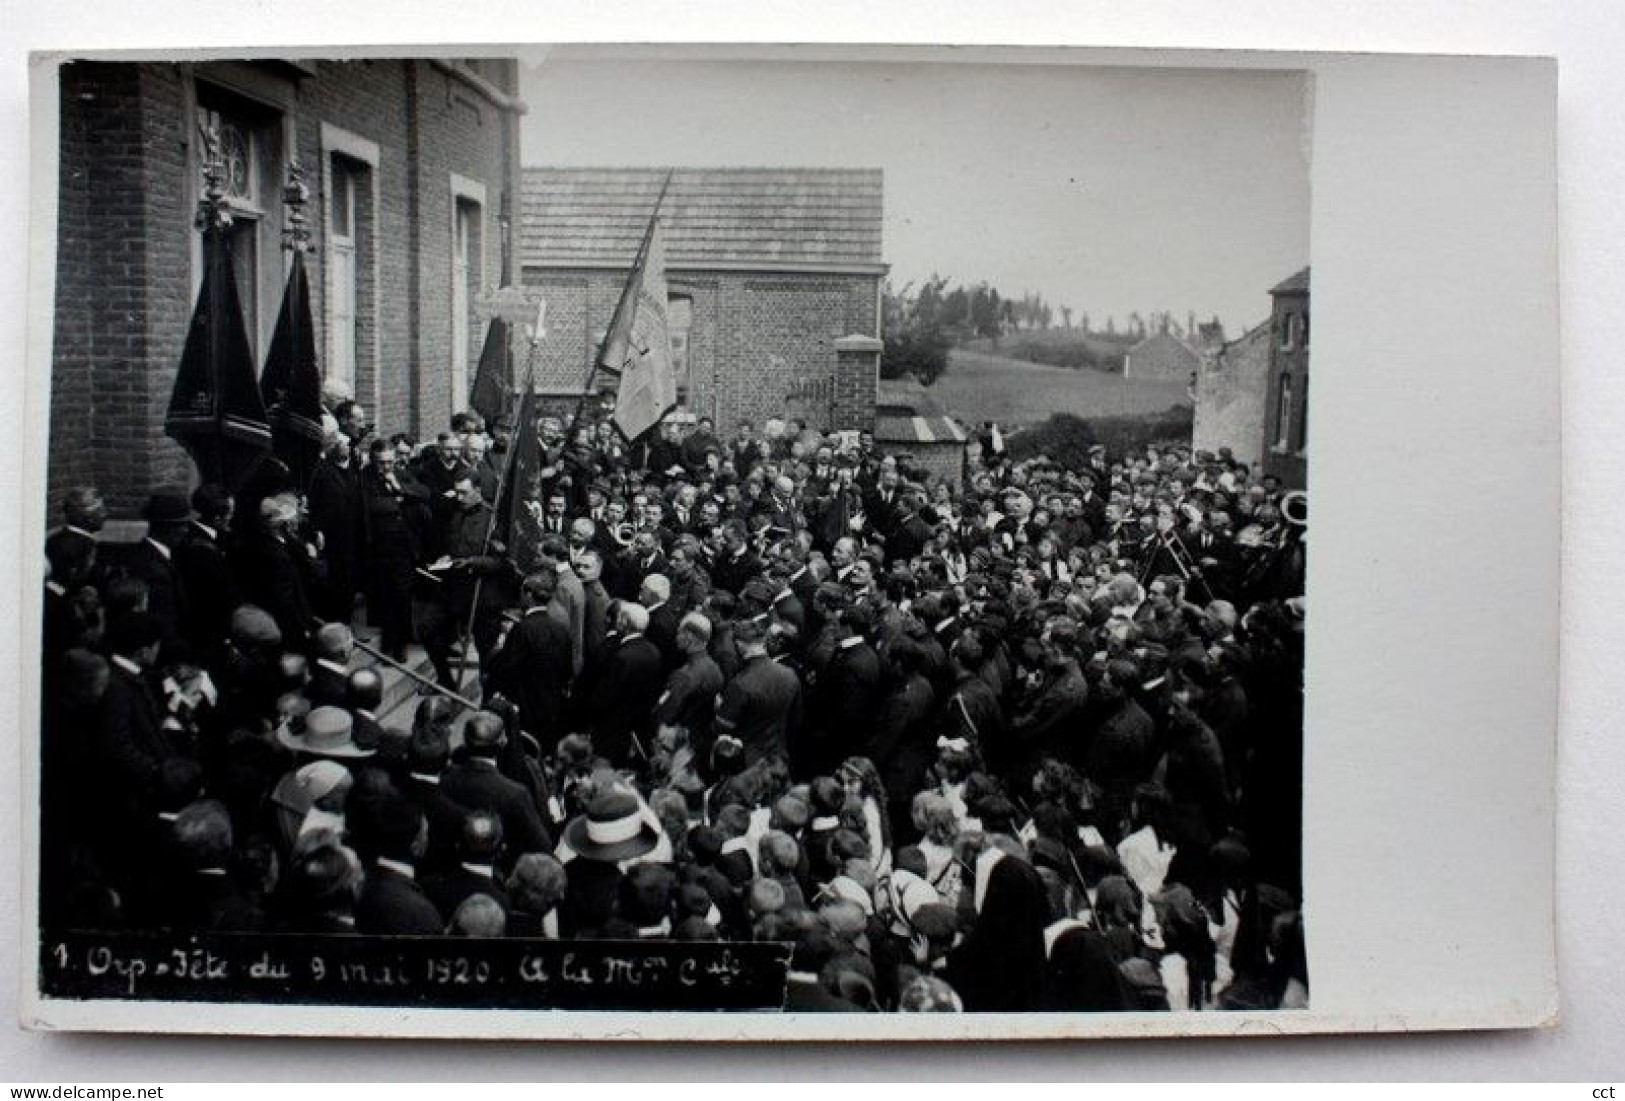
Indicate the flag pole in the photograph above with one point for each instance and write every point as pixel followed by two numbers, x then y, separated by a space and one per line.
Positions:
pixel 496 509
pixel 620 308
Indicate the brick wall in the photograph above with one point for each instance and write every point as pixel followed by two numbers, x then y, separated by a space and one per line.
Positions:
pixel 1230 393
pixel 754 336
pixel 125 276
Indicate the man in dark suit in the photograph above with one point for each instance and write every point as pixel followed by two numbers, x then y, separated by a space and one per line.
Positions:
pixel 392 547
pixel 269 568
pixel 626 687
pixel 737 564
pixel 761 707
pixel 426 757
pixel 476 783
pixel 690 699
pixel 479 847
pixel 209 589
pixel 390 834
pixel 845 696
pixel 533 666
pixel 204 893
pixel 152 562
pixel 655 597
pixel 439 469
pixel 900 744
pixel 884 504
pixel 132 743
pixel 336 510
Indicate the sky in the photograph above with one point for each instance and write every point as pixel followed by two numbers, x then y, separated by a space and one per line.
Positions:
pixel 1110 190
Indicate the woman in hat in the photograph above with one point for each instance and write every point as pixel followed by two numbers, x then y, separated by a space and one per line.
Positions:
pixel 597 845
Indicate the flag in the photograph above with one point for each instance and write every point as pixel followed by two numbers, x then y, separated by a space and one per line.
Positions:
pixel 216 412
pixel 291 384
pixel 648 386
pixel 520 508
pixel 489 397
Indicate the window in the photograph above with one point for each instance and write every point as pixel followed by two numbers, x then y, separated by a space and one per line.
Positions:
pixel 1286 332
pixel 679 321
pixel 1303 330
pixel 249 139
pixel 343 229
pixel 465 267
pixel 1283 414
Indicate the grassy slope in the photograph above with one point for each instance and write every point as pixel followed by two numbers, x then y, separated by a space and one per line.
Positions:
pixel 979 387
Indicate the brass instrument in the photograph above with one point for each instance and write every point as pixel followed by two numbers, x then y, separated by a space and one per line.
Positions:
pixel 1295 508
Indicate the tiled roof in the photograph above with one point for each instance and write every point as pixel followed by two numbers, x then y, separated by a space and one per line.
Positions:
pixel 936 429
pixel 712 217
pixel 1297 284
pixel 1167 340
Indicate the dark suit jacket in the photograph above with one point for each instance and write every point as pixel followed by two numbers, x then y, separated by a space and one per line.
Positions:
pixel 271 579
pixel 445 817
pixel 533 669
pixel 477 785
pixel 450 888
pixel 209 589
pixel 131 743
pixel 624 693
pixel 731 572
pixel 147 563
pixel 901 746
pixel 847 698
pixel 662 631
pixel 337 510
pixel 394 906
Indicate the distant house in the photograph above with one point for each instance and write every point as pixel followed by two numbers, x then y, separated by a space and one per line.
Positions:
pixel 1252 395
pixel 774 283
pixel 1161 357
pixel 1286 436
pixel 1231 386
pixel 910 423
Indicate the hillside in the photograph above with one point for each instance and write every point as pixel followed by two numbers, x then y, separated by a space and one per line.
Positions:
pixel 980 387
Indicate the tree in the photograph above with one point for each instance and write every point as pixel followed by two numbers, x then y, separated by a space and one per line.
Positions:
pixel 1066 317
pixel 916 343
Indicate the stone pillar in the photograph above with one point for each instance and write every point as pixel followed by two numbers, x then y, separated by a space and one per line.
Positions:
pixel 857 375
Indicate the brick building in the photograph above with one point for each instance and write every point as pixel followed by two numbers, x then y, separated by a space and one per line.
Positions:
pixel 1230 396
pixel 1162 357
pixel 909 422
pixel 1286 432
pixel 413 165
pixel 774 282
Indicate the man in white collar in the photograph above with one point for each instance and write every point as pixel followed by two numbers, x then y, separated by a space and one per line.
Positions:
pixel 479 846
pixel 168 514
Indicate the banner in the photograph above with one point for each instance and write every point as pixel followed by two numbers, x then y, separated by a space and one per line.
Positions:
pixel 215 410
pixel 291 384
pixel 648 386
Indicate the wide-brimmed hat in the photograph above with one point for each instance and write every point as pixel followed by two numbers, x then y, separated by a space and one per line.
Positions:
pixel 328 732
pixel 613 829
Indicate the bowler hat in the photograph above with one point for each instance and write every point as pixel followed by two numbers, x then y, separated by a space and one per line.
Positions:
pixel 613 829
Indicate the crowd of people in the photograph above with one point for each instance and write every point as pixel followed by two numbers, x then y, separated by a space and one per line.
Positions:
pixel 1022 737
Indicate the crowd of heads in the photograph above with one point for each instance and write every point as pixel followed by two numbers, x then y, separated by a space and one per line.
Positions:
pixel 1013 736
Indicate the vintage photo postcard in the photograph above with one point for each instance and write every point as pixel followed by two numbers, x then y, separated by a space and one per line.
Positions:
pixel 793 543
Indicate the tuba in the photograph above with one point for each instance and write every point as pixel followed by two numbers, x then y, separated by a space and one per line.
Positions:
pixel 1295 508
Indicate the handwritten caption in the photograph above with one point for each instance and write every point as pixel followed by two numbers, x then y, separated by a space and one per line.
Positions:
pixel 413 971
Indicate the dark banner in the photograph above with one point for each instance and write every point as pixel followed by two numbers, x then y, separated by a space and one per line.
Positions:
pixel 413 972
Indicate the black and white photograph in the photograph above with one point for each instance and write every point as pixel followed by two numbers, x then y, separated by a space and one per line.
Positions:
pixel 582 530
